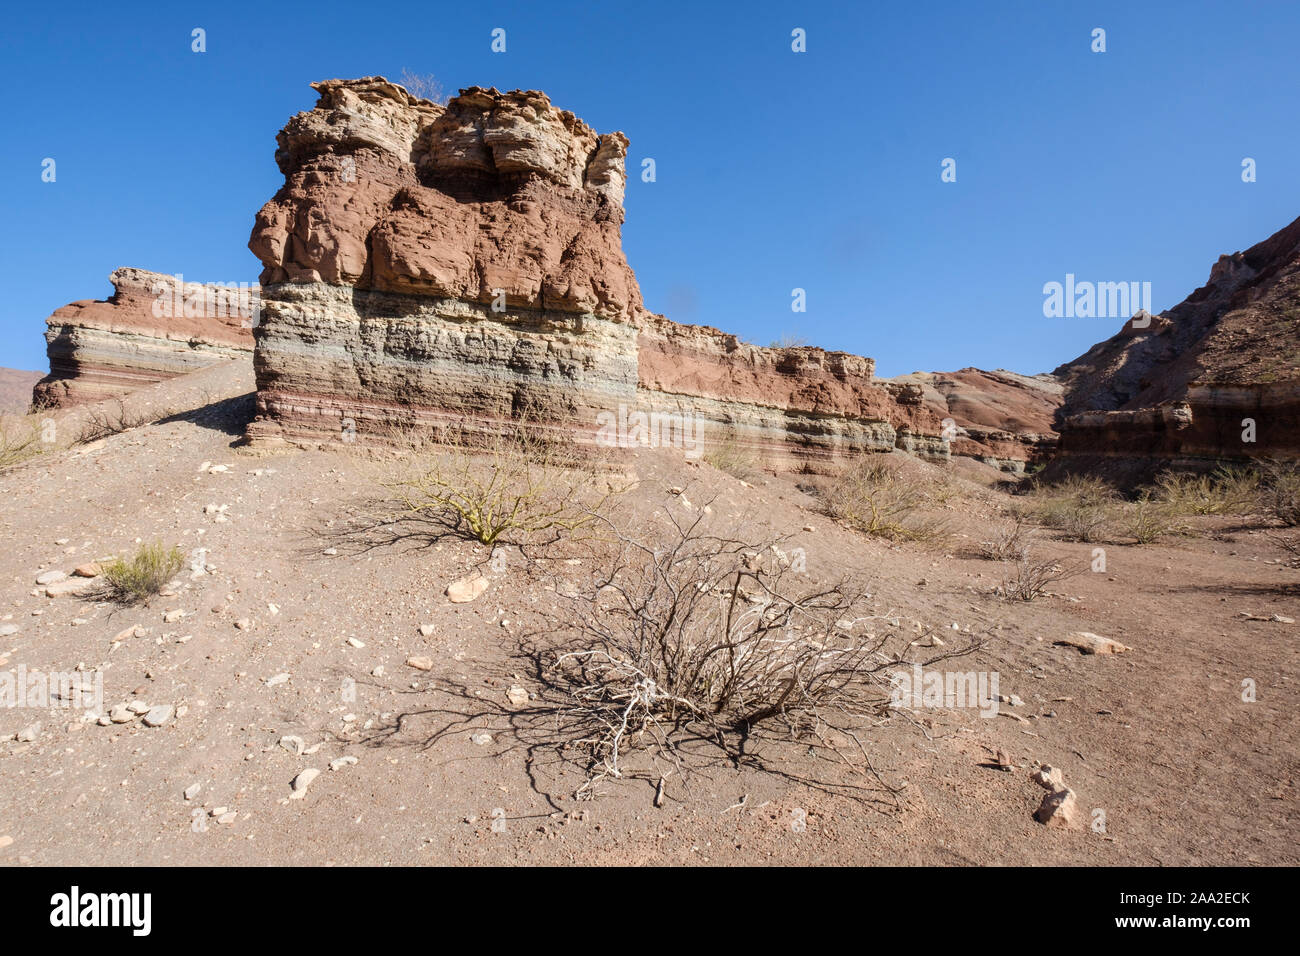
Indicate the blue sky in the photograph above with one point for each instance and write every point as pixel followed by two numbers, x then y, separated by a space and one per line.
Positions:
pixel 775 169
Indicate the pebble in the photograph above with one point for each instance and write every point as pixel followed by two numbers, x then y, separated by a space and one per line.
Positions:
pixel 294 744
pixel 420 663
pixel 482 739
pixel 121 714
pixel 276 680
pixel 8 630
pixel 29 733
pixel 159 715
pixel 341 762
pixel 517 696
pixel 302 782
pixel 466 589
pixel 51 577
pixel 192 790
pixel 426 630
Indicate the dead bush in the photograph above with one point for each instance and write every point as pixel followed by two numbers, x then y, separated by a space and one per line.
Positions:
pixel 692 636
pixel 424 85
pixel 143 574
pixel 1029 577
pixel 19 441
pixel 1009 543
pixel 871 497
pixel 1279 493
pixel 108 418
pixel 516 484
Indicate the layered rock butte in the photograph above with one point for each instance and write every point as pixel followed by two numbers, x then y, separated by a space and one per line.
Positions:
pixel 106 348
pixel 1178 392
pixel 425 263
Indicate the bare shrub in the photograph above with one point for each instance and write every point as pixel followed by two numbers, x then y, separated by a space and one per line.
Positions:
pixel 788 342
pixel 143 574
pixel 694 636
pixel 19 441
pixel 870 496
pixel 424 85
pixel 1279 495
pixel 1009 543
pixel 736 460
pixel 108 418
pixel 1029 577
pixel 1080 508
pixel 514 484
pixel 1289 543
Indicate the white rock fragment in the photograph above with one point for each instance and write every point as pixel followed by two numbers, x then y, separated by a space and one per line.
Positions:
pixel 302 782
pixel 340 762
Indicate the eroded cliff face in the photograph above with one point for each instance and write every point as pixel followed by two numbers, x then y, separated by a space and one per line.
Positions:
pixel 1214 379
pixel 152 328
pixel 426 263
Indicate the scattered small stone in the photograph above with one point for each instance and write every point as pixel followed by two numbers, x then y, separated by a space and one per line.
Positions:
pixel 171 617
pixel 1058 809
pixel 517 696
pixel 294 744
pixel 302 782
pixel 426 630
pixel 276 680
pixel 330 551
pixel 159 715
pixel 121 714
pixel 51 577
pixel 138 707
pixel 227 818
pixel 87 570
pixel 1281 619
pixel 244 624
pixel 29 733
pixel 356 643
pixel 466 589
pixel 8 630
pixel 70 586
pixel 420 663
pixel 340 762
pixel 192 790
pixel 482 738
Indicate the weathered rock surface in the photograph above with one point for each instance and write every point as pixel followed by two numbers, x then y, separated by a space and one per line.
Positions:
pixel 152 328
pixel 1177 392
pixel 1002 418
pixel 426 263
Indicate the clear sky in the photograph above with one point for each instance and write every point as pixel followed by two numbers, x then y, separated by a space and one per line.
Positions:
pixel 775 170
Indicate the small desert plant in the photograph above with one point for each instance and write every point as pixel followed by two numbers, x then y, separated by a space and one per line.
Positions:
pixel 871 497
pixel 109 418
pixel 143 574
pixel 1029 577
pixel 688 635
pixel 19 441
pixel 1009 543
pixel 424 85
pixel 788 342
pixel 516 483
pixel 1229 490
pixel 1149 518
pixel 1289 543
pixel 1279 495
pixel 736 460
pixel 1079 507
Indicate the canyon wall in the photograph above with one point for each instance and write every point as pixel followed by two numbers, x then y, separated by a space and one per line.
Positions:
pixel 428 263
pixel 1215 379
pixel 152 328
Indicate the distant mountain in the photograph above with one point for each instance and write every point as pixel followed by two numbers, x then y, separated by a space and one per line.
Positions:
pixel 16 389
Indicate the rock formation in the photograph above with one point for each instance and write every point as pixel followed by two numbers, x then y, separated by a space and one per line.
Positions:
pixel 427 263
pixel 1002 418
pixel 152 328
pixel 1214 379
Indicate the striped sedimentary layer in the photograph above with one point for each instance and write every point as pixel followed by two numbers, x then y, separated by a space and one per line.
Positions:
pixel 154 327
pixel 427 263
pixel 1215 379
